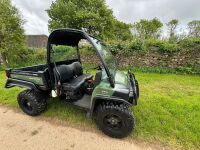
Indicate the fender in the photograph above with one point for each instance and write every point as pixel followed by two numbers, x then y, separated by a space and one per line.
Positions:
pixel 97 100
pixel 20 83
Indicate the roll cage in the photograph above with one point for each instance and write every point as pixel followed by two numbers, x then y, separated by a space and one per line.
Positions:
pixel 71 37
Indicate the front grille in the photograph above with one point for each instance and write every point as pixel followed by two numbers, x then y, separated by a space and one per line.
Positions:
pixel 134 90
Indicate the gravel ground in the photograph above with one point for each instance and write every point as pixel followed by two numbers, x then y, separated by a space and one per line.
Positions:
pixel 19 132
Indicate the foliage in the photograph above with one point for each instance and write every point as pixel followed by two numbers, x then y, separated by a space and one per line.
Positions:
pixel 121 49
pixel 2 68
pixel 128 48
pixel 138 46
pixel 172 26
pixel 189 43
pixel 143 46
pixel 12 39
pixel 148 29
pixel 90 15
pixel 118 47
pixel 122 31
pixel 163 70
pixel 31 56
pixel 62 53
pixel 194 28
pixel 166 47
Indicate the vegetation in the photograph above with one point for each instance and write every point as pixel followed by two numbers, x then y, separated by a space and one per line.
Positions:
pixel 12 39
pixel 150 45
pixel 90 15
pixel 148 29
pixel 185 47
pixel 167 111
pixel 172 26
pixel 194 28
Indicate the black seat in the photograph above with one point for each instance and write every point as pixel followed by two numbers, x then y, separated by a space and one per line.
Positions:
pixel 72 77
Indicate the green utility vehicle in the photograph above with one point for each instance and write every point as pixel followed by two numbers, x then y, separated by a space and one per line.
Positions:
pixel 106 97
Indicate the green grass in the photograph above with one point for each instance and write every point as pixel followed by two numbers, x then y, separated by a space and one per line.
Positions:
pixel 168 110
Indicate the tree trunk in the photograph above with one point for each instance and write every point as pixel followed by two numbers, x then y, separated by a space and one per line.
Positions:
pixel 5 63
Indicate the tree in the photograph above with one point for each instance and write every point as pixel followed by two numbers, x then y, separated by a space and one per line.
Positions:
pixel 122 31
pixel 194 28
pixel 148 29
pixel 90 15
pixel 172 26
pixel 12 39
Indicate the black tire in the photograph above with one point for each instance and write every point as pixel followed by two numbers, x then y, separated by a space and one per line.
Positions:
pixel 115 120
pixel 32 103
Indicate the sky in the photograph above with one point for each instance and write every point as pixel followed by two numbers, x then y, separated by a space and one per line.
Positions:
pixel 129 11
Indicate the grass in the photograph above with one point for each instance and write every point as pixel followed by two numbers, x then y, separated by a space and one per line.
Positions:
pixel 168 110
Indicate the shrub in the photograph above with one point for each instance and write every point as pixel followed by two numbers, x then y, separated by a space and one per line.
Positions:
pixel 166 47
pixel 31 56
pixel 153 43
pixel 1 68
pixel 163 46
pixel 118 47
pixel 127 48
pixel 189 43
pixel 138 46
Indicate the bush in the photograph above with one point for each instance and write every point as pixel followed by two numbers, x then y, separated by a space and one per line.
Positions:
pixel 163 46
pixel 153 43
pixel 189 43
pixel 138 46
pixel 2 68
pixel 125 48
pixel 31 56
pixel 118 47
pixel 144 46
pixel 166 47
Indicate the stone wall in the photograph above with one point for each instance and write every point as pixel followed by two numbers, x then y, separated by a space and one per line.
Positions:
pixel 155 59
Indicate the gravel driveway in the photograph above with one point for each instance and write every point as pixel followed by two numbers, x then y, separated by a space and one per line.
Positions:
pixel 19 131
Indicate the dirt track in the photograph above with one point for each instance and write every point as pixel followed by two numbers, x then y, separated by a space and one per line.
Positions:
pixel 19 131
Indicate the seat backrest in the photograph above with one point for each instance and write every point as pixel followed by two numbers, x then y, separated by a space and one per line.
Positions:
pixel 77 68
pixel 65 73
pixel 68 72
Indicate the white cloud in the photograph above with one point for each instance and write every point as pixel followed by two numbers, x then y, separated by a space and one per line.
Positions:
pixel 33 11
pixel 34 14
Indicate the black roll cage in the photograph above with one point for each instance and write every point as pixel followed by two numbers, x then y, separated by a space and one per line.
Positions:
pixel 55 39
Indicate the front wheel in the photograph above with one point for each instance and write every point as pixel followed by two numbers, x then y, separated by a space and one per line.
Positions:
pixel 115 120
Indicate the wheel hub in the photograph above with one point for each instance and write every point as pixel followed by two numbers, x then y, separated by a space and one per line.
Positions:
pixel 113 122
pixel 29 104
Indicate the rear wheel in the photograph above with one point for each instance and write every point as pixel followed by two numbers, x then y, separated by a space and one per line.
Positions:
pixel 31 102
pixel 115 120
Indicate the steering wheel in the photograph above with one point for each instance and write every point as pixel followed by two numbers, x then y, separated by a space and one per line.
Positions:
pixel 99 67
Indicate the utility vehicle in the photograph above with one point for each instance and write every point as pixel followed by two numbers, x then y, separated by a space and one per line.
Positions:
pixel 106 97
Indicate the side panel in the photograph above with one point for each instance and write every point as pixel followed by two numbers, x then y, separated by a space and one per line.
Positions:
pixel 120 90
pixel 29 80
pixel 34 79
pixel 23 84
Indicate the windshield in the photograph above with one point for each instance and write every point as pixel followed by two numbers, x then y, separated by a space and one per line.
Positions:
pixel 106 55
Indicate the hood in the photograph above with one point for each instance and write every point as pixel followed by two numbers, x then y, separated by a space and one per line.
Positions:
pixel 121 78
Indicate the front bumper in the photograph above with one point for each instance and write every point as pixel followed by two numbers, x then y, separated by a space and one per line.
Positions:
pixel 134 89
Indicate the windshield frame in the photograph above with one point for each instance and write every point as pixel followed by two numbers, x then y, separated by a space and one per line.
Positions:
pixel 106 55
pixel 108 71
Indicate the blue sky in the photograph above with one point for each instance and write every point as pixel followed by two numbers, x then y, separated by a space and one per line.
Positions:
pixel 130 11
